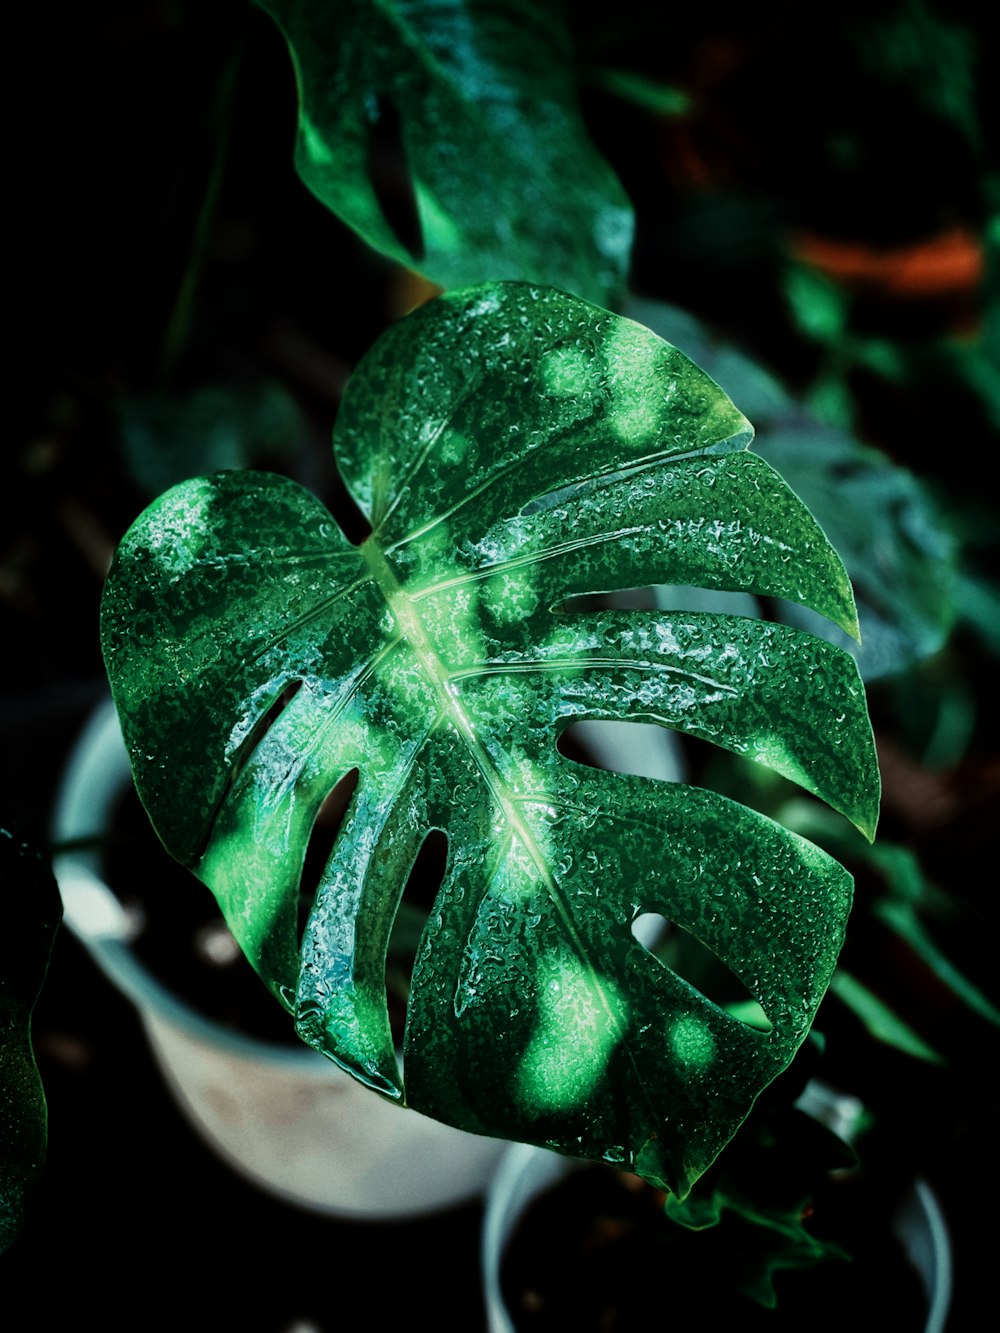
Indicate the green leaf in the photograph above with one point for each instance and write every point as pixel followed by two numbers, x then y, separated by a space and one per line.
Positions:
pixel 902 918
pixel 514 449
pixel 167 437
pixel 909 893
pixel 881 1021
pixel 764 1240
pixel 757 391
pixel 662 99
pixel 449 137
pixel 31 913
pixel 885 525
pixel 819 306
pixel 926 57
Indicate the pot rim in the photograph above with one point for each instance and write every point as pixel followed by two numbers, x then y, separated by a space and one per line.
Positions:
pixel 525 1171
pixel 95 776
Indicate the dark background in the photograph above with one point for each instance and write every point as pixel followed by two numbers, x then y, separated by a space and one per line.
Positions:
pixel 130 294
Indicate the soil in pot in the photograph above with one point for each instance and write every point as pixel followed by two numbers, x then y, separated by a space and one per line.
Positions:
pixel 597 1253
pixel 804 1236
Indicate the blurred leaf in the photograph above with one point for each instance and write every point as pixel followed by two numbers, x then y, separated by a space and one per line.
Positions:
pixel 909 892
pixel 896 548
pixel 32 912
pixel 449 137
pixel 885 525
pixel 751 1208
pixel 514 449
pixel 770 1240
pixel 977 364
pixel 879 1019
pixel 819 306
pixel 979 606
pixel 661 98
pixel 880 355
pixel 829 400
pixel 929 55
pixel 903 920
pixel 167 438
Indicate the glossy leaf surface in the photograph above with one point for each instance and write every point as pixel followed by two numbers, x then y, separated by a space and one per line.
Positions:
pixel 883 523
pixel 449 137
pixel 31 914
pixel 514 448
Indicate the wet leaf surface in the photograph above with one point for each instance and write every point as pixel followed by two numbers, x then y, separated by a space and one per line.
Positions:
pixel 513 447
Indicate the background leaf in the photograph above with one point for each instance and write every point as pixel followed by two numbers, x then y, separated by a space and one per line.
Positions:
pixel 879 1019
pixel 514 449
pixel 32 912
pixel 449 137
pixel 169 438
pixel 895 544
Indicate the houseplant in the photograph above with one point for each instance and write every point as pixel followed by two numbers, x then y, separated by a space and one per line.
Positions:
pixel 565 1247
pixel 734 300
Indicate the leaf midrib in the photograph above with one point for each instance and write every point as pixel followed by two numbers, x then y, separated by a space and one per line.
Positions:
pixel 411 628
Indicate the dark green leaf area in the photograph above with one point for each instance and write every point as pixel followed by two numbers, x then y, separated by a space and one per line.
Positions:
pixel 539 444
pixel 449 137
pixel 560 1028
pixel 225 591
pixel 761 690
pixel 257 658
pixel 32 912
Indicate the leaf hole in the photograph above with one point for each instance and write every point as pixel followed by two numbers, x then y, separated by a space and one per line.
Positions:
pixel 417 899
pixel 642 749
pixel 261 727
pixel 326 826
pixel 392 182
pixel 698 965
pixel 248 747
pixel 625 599
pixel 427 871
pixel 278 707
pixel 745 778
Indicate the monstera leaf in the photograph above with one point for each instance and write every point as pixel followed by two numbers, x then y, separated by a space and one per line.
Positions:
pixel 449 137
pixel 514 449
pixel 32 912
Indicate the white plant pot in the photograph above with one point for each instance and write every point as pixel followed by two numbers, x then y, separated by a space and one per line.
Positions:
pixel 287 1119
pixel 525 1173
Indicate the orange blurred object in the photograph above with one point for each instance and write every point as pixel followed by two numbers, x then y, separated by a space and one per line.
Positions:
pixel 949 263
